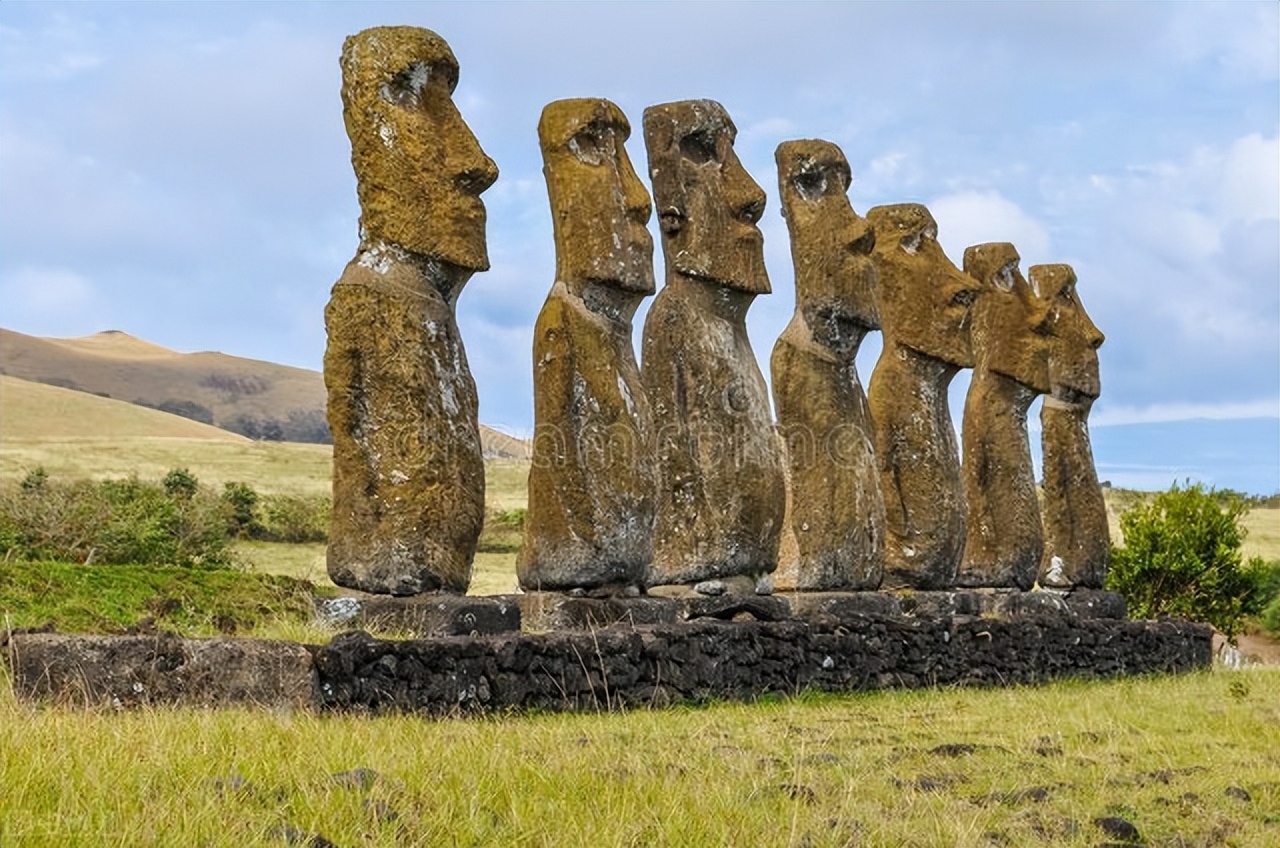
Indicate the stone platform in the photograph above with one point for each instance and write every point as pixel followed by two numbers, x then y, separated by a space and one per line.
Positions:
pixel 623 663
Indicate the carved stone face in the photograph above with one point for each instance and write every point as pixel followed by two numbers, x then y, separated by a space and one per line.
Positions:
pixel 925 302
pixel 707 203
pixel 419 169
pixel 1073 338
pixel 830 244
pixel 1010 334
pixel 599 207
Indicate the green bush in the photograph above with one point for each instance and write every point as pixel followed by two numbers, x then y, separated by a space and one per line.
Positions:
pixel 295 518
pixel 241 500
pixel 114 521
pixel 1181 557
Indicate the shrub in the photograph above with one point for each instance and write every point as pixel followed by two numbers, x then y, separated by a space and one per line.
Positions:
pixel 1181 557
pixel 241 500
pixel 180 483
pixel 113 521
pixel 294 518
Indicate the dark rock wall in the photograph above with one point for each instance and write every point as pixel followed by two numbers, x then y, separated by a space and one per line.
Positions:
pixel 611 668
pixel 704 660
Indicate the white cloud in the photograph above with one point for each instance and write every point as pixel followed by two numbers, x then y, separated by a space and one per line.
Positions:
pixel 1106 416
pixel 974 217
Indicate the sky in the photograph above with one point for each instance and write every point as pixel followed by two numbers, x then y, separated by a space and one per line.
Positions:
pixel 181 172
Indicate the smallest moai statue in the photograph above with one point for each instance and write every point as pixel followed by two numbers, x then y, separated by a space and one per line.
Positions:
pixel 1005 539
pixel 591 488
pixel 1077 542
pixel 834 534
pixel 925 304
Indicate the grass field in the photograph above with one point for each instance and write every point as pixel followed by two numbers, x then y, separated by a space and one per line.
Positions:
pixel 1189 761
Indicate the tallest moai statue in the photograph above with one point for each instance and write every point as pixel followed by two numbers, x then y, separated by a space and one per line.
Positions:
pixel 408 472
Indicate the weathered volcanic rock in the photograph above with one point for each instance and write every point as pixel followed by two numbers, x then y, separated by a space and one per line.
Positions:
pixel 720 488
pixel 1077 542
pixel 161 668
pixel 408 484
pixel 591 483
pixel 835 509
pixel 1005 538
pixel 924 305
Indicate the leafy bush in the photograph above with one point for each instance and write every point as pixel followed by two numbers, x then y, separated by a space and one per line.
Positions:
pixel 241 500
pixel 1266 599
pixel 1181 557
pixel 114 521
pixel 294 518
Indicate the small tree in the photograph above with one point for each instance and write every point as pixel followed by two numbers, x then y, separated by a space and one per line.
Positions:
pixel 1181 557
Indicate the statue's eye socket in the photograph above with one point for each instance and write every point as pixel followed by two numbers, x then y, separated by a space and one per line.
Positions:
pixel 698 147
pixel 811 184
pixel 405 88
pixel 964 297
pixel 588 146
pixel 1067 295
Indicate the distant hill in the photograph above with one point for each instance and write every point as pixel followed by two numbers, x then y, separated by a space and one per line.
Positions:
pixel 262 400
pixel 37 411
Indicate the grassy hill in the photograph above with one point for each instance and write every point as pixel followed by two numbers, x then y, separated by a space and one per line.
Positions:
pixel 228 391
pixel 38 411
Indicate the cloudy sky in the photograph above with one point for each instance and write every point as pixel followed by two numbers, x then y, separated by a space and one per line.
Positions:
pixel 181 172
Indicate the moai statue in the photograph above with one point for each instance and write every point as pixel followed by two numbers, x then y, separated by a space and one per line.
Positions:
pixel 590 521
pixel 1077 543
pixel 925 304
pixel 408 473
pixel 1005 539
pixel 836 513
pixel 720 488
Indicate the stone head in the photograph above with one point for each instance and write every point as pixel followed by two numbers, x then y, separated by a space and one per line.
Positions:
pixel 830 244
pixel 1073 338
pixel 925 301
pixel 708 205
pixel 1010 331
pixel 599 207
pixel 419 169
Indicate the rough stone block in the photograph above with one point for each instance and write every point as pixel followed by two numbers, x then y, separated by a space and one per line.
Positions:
pixel 546 611
pixel 161 668
pixel 1096 603
pixel 940 604
pixel 1012 604
pixel 441 615
pixel 843 605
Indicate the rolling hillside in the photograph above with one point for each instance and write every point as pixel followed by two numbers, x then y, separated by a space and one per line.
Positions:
pixel 37 411
pixel 231 392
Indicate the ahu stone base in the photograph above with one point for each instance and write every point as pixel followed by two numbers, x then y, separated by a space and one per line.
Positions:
pixel 618 666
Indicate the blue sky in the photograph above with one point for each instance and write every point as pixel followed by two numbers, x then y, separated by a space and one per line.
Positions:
pixel 180 171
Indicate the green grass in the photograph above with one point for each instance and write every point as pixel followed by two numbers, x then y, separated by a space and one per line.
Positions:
pixel 813 771
pixel 494 574
pixel 110 598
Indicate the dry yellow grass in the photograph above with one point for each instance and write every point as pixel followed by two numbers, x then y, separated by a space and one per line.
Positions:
pixel 1263 539
pixel 37 411
pixel 270 467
